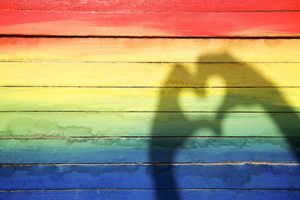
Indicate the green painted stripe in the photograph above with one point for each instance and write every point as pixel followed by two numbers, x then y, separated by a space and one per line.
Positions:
pixel 67 124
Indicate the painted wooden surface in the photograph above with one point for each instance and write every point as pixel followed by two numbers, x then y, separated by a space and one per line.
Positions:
pixel 149 50
pixel 98 74
pixel 147 99
pixel 152 5
pixel 171 24
pixel 148 194
pixel 69 124
pixel 142 100
pixel 121 149
pixel 127 176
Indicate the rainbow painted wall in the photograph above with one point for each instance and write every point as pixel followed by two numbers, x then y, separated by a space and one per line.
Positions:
pixel 152 100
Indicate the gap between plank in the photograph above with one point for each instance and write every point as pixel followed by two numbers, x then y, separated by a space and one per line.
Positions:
pixel 144 62
pixel 146 189
pixel 143 111
pixel 89 11
pixel 139 137
pixel 149 37
pixel 149 164
pixel 144 87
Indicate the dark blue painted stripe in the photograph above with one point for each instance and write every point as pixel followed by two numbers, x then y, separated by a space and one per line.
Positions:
pixel 150 195
pixel 121 150
pixel 141 176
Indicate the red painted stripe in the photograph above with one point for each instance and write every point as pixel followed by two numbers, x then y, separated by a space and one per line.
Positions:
pixel 151 5
pixel 151 23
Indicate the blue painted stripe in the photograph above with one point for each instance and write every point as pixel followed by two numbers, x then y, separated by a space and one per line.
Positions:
pixel 141 176
pixel 150 195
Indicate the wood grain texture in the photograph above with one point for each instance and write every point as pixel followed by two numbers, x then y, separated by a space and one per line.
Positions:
pixel 151 5
pixel 120 150
pixel 66 124
pixel 89 176
pixel 147 74
pixel 171 24
pixel 150 99
pixel 149 194
pixel 149 50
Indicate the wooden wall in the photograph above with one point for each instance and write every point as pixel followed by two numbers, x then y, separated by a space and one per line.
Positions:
pixel 149 99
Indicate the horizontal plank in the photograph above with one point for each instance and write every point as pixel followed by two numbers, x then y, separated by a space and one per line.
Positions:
pixel 149 74
pixel 150 99
pixel 149 50
pixel 114 150
pixel 149 194
pixel 172 24
pixel 151 5
pixel 275 176
pixel 67 124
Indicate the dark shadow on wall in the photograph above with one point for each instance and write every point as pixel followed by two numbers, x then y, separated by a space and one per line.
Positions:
pixel 168 123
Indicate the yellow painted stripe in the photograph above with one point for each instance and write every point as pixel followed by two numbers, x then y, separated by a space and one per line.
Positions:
pixel 148 74
pixel 141 99
pixel 150 50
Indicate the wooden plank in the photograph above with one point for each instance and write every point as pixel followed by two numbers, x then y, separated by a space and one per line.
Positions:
pixel 67 124
pixel 171 24
pixel 149 74
pixel 150 99
pixel 114 150
pixel 89 176
pixel 149 50
pixel 151 5
pixel 148 194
